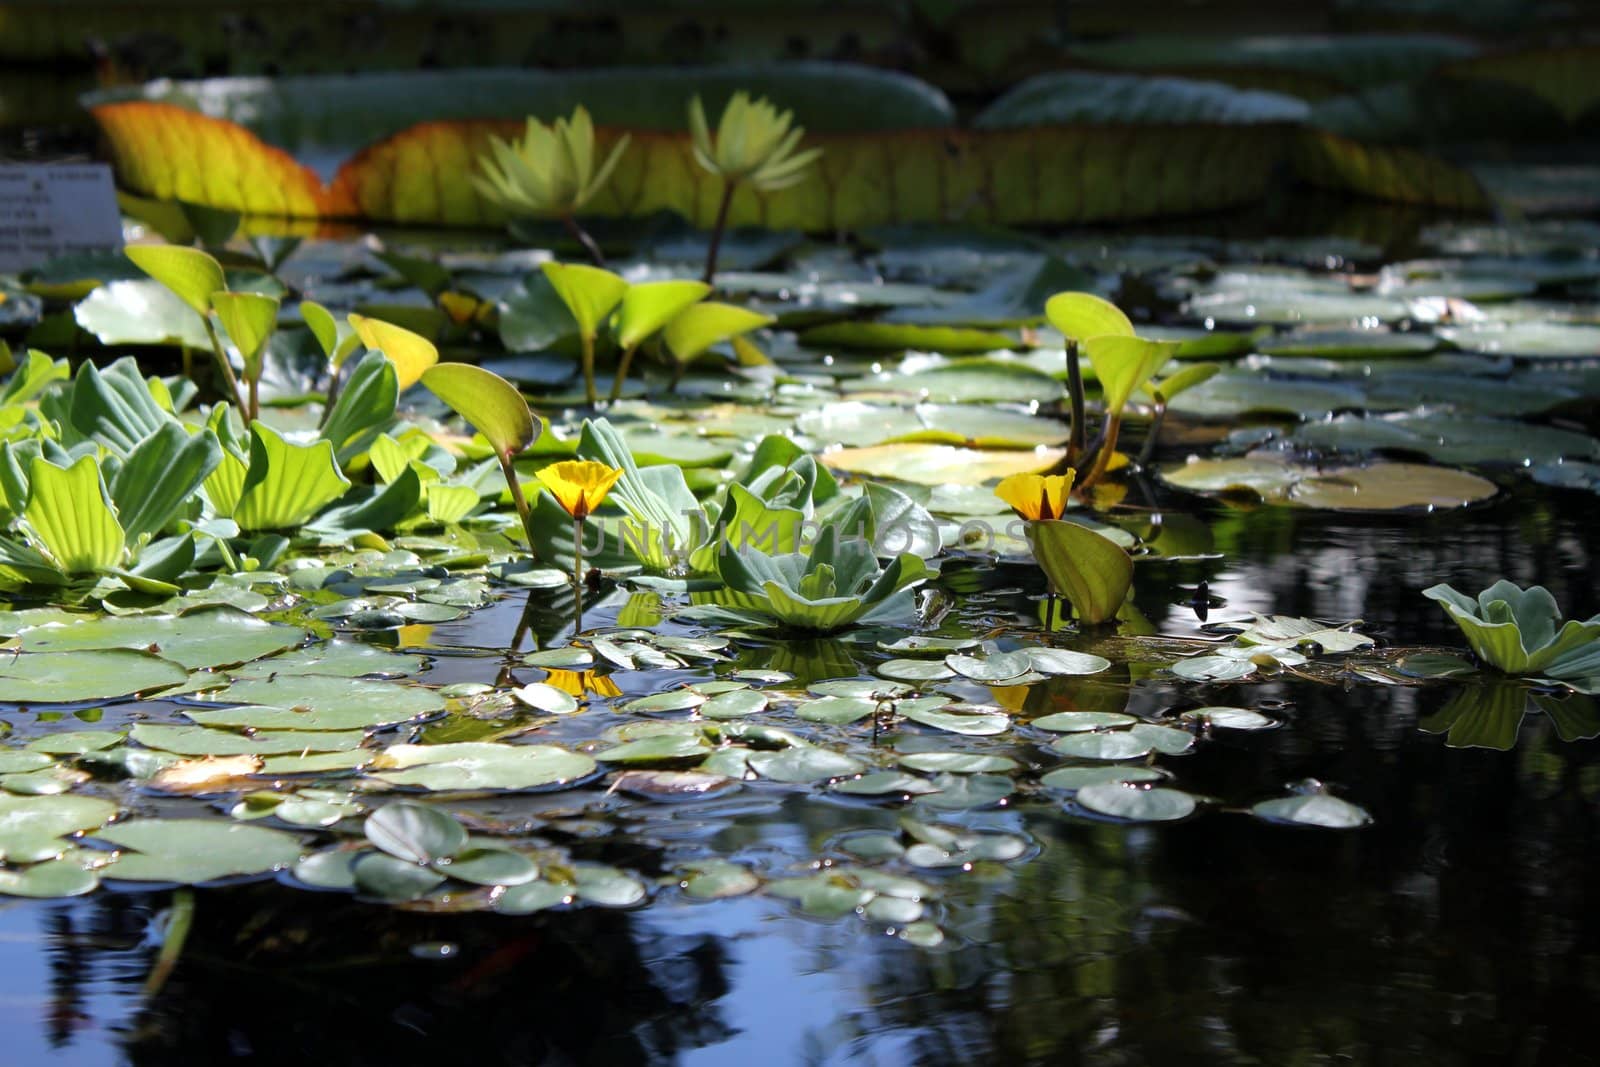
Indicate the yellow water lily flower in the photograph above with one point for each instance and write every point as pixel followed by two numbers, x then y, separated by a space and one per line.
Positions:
pixel 1036 496
pixel 579 485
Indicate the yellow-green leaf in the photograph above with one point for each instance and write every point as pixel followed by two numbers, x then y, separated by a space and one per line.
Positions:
pixel 249 319
pixel 191 274
pixel 700 326
pixel 70 518
pixel 486 400
pixel 1080 316
pixel 286 483
pixel 411 353
pixel 1091 571
pixel 451 503
pixel 1123 364
pixel 651 305
pixel 590 293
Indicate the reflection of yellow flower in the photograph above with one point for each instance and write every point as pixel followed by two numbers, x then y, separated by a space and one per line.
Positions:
pixel 580 682
pixel 579 485
pixel 1036 496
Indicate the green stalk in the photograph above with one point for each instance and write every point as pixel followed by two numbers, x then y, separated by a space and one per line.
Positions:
pixel 588 370
pixel 335 380
pixel 1107 449
pixel 234 396
pixel 172 944
pixel 518 499
pixel 1080 435
pixel 1153 437
pixel 581 235
pixel 622 372
pixel 577 573
pixel 716 230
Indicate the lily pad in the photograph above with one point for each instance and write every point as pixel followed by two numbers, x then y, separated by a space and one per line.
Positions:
pixel 209 637
pixel 76 677
pixel 1135 802
pixel 471 765
pixel 196 850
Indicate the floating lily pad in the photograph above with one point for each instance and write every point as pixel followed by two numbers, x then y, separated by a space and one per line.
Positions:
pixel 210 637
pixel 1375 487
pixel 972 724
pixel 480 765
pixel 76 677
pixel 1073 722
pixel 74 874
pixel 1314 809
pixel 958 762
pixel 380 700
pixel 196 850
pixel 1135 802
pixel 1230 718
pixel 35 828
pixel 804 764
pixel 206 741
pixel 1072 778
pixel 930 464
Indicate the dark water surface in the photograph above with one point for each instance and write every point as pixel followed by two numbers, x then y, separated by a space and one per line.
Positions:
pixel 1458 928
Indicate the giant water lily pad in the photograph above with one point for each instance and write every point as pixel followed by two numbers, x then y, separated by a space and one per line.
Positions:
pixel 1274 478
pixel 934 464
pixel 480 765
pixel 196 850
pixel 210 637
pixel 91 674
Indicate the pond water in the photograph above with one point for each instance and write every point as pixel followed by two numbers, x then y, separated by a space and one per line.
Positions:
pixel 1455 929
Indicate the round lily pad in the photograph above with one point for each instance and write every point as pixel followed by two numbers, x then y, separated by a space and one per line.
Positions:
pixel 468 765
pixel 82 676
pixel 195 850
pixel 1135 802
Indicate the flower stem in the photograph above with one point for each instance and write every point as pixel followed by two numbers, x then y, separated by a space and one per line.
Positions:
pixel 579 234
pixel 577 573
pixel 335 380
pixel 716 230
pixel 227 371
pixel 1103 454
pixel 179 919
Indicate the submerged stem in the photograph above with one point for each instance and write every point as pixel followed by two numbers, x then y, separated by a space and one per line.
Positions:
pixel 335 380
pixel 717 228
pixel 180 920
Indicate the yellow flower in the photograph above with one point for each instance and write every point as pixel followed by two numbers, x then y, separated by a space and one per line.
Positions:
pixel 754 142
pixel 580 682
pixel 579 485
pixel 1036 496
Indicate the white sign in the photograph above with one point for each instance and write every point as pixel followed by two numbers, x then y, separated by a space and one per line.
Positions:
pixel 52 209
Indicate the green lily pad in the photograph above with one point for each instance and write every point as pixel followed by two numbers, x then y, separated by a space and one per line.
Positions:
pixel 1314 809
pixel 471 765
pixel 72 875
pixel 415 833
pixel 972 724
pixel 90 675
pixel 804 764
pixel 35 828
pixel 1073 778
pixel 1230 718
pixel 1135 802
pixel 206 741
pixel 329 697
pixel 957 763
pixel 209 637
pixel 196 850
pixel 1074 722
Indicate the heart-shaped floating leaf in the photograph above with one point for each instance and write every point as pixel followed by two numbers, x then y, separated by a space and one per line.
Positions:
pixel 191 274
pixel 1123 364
pixel 97 674
pixel 249 319
pixel 651 305
pixel 590 293
pixel 488 401
pixel 1091 571
pixel 34 828
pixel 1080 316
pixel 411 353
